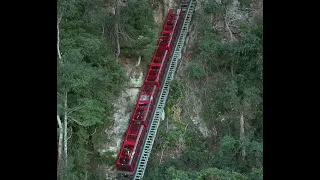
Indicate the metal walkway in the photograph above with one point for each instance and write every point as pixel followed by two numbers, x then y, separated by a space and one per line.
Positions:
pixel 155 120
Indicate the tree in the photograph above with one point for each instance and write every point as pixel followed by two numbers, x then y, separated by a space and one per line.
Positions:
pixel 116 26
pixel 88 78
pixel 218 174
pixel 137 29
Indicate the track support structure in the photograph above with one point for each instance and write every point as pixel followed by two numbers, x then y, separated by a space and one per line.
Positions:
pixel 189 8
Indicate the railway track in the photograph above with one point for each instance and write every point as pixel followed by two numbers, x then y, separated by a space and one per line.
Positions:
pixel 141 133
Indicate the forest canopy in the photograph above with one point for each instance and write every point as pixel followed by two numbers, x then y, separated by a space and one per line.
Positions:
pixel 227 69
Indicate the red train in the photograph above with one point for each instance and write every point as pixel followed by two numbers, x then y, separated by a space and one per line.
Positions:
pixel 140 119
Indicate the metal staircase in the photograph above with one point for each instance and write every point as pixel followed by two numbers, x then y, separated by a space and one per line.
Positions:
pixel 155 119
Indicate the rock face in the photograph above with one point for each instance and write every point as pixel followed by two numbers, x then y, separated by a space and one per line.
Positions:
pixel 124 108
pixel 126 101
pixel 161 10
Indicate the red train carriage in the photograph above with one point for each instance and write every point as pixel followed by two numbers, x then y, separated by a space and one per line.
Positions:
pixel 130 149
pixel 140 119
pixel 156 69
pixel 165 47
pixel 145 104
pixel 174 25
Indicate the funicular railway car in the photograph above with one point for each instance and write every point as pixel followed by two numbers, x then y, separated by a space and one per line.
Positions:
pixel 131 147
pixel 140 120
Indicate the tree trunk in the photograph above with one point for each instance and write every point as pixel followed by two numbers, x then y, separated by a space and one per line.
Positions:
pixel 232 73
pixel 163 10
pixel 65 128
pixel 242 137
pixel 58 36
pixel 232 38
pixel 226 21
pixel 215 132
pixel 60 140
pixel 139 60
pixel 102 32
pixel 116 27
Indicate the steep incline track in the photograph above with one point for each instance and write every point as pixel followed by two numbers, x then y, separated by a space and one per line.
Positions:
pixel 144 123
pixel 164 92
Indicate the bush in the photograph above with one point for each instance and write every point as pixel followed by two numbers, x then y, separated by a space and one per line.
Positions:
pixel 195 71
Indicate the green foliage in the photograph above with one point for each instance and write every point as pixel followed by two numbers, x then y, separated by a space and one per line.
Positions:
pixel 247 54
pixel 77 159
pixel 99 138
pixel 220 104
pixel 108 158
pixel 245 3
pixel 72 76
pixel 213 7
pixel 137 22
pixel 231 87
pixel 90 77
pixel 196 71
pixel 92 114
pixel 255 154
pixel 67 173
pixel 68 7
pixel 176 174
pixel 173 173
pixel 211 52
pixel 96 176
pixel 231 94
pixel 79 148
pixel 171 138
pixel 256 174
pixel 197 158
pixel 176 93
pixel 218 174
pixel 227 150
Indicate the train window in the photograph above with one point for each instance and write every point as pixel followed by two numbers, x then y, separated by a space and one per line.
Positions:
pixel 163 43
pixel 124 168
pixel 127 152
pixel 141 105
pixel 174 11
pixel 135 122
pixel 157 59
pixel 144 97
pixel 132 138
pixel 147 88
pixel 170 24
pixel 140 111
pixel 155 67
pixel 138 117
pixel 124 161
pixel 153 72
pixel 163 40
pixel 169 28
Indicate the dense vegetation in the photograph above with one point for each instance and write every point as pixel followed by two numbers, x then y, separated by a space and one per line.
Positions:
pixel 89 77
pixel 227 73
pixel 228 77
